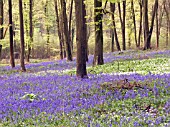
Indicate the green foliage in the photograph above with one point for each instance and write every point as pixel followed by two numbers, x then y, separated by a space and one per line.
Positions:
pixel 31 97
pixel 145 66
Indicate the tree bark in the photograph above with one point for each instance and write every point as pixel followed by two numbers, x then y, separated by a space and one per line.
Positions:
pixel 1 23
pixel 113 40
pixel 66 32
pixel 140 23
pixel 112 7
pixel 98 55
pixel 167 31
pixel 47 28
pixel 157 30
pixel 70 20
pixel 22 46
pixel 81 41
pixel 152 24
pixel 1 19
pixel 11 35
pixel 134 21
pixel 167 22
pixel 30 30
pixel 59 30
pixel 145 24
pixel 85 31
pixel 122 21
pixel 159 17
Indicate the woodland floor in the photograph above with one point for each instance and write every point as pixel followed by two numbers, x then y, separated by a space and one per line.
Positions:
pixel 131 89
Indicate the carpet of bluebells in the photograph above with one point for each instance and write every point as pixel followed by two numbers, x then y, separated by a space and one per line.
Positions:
pixel 49 93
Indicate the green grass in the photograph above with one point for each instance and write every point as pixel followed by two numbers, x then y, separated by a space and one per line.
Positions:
pixel 145 66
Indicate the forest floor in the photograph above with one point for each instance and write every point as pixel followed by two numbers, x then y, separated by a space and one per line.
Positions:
pixel 131 89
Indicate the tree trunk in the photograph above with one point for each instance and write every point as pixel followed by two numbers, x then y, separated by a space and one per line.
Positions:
pixel 112 7
pixel 47 28
pixel 122 21
pixel 22 46
pixel 167 32
pixel 59 30
pixel 70 18
pixel 81 41
pixel 140 24
pixel 157 30
pixel 31 30
pixel 66 32
pixel 167 23
pixel 1 19
pixel 159 17
pixel 15 45
pixel 152 24
pixel 112 41
pixel 85 31
pixel 1 23
pixel 11 35
pixel 145 24
pixel 134 22
pixel 98 55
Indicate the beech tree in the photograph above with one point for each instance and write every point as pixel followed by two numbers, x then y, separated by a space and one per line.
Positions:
pixel 70 21
pixel 47 27
pixel 80 39
pixel 1 23
pixel 98 54
pixel 11 35
pixel 140 22
pixel 122 21
pixel 134 21
pixel 159 17
pixel 59 29
pixel 67 38
pixel 30 29
pixel 112 8
pixel 147 31
pixel 22 45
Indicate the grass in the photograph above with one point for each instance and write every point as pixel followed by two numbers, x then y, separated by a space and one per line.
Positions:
pixel 145 66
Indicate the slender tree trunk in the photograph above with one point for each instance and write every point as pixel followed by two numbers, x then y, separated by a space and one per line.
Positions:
pixel 98 55
pixel 15 45
pixel 145 24
pixel 140 23
pixel 85 30
pixel 1 23
pixel 70 20
pixel 157 30
pixel 1 19
pixel 112 42
pixel 112 7
pixel 152 24
pixel 62 32
pixel 81 41
pixel 134 21
pixel 58 28
pixel 167 23
pixel 167 32
pixel 22 48
pixel 122 20
pixel 66 32
pixel 30 30
pixel 11 35
pixel 159 23
pixel 47 28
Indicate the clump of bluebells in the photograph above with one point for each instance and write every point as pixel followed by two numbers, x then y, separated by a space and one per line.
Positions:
pixel 53 99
